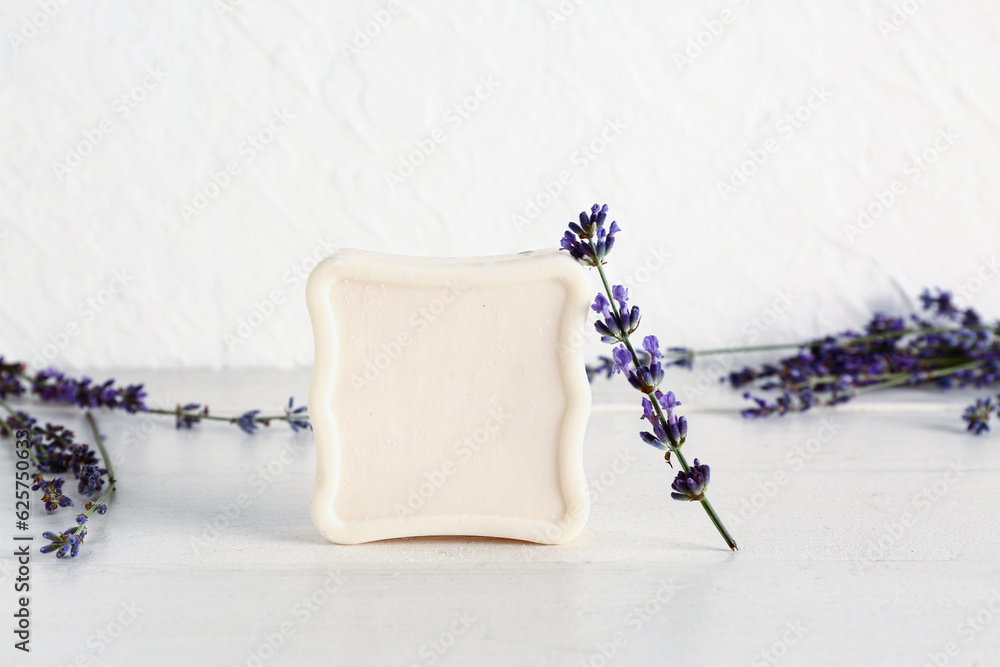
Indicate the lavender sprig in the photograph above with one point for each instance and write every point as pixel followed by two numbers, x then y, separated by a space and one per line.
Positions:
pixel 53 449
pixel 68 542
pixel 589 242
pixel 53 386
pixel 978 415
pixel 948 347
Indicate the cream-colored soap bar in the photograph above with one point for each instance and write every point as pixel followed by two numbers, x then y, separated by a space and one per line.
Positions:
pixel 449 396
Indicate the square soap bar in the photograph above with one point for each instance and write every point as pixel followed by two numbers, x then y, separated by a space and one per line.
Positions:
pixel 449 396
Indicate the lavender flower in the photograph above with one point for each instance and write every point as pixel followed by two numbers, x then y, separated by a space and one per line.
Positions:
pixel 91 479
pixel 54 449
pixel 589 244
pixel 247 421
pixel 622 359
pixel 66 543
pixel 296 416
pixel 10 379
pixel 948 347
pixel 978 415
pixel 691 484
pixel 617 323
pixel 189 414
pixel 605 366
pixel 652 347
pixel 52 497
pixel 53 386
pixel 939 304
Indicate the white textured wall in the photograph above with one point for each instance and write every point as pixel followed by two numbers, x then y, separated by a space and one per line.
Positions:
pixel 172 93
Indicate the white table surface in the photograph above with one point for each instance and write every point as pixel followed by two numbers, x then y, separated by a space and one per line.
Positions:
pixel 803 586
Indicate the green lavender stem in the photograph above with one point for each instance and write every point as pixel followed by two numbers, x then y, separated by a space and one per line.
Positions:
pixel 198 414
pixel 675 451
pixel 903 378
pixel 847 341
pixel 885 380
pixel 102 499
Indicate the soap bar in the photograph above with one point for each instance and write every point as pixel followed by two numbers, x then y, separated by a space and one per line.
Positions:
pixel 449 396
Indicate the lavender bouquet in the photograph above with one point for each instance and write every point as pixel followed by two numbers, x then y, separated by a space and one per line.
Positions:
pixel 47 454
pixel 944 347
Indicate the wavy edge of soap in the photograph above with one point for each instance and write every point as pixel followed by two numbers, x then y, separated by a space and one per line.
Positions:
pixel 359 264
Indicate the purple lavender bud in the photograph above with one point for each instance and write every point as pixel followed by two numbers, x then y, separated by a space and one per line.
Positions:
pixel 647 411
pixel 607 335
pixel 601 305
pixel 978 416
pixel 651 439
pixel 691 485
pixel 674 434
pixel 91 479
pixel 651 344
pixel 622 359
pixel 247 421
pixel 589 242
pixel 620 294
pixel 669 402
pixel 633 319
